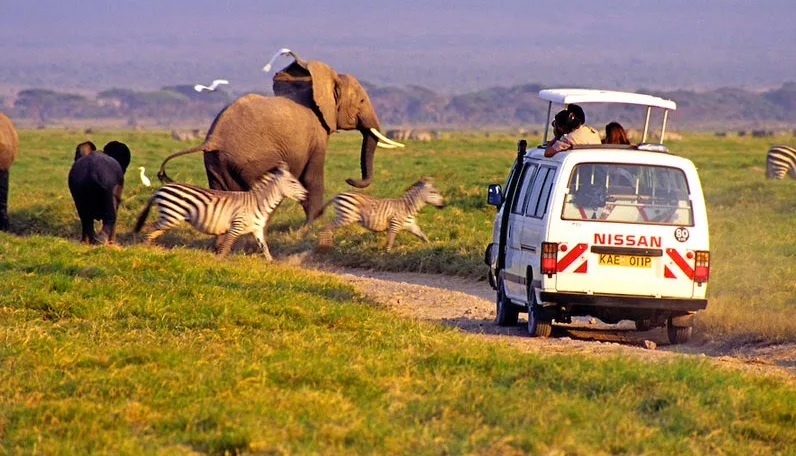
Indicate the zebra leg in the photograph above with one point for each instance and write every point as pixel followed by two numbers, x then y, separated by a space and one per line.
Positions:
pixel 235 229
pixel 326 236
pixel 392 231
pixel 220 241
pixel 260 236
pixel 159 227
pixel 226 245
pixel 415 229
pixel 152 235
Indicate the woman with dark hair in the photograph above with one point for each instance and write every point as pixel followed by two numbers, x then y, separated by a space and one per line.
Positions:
pixel 571 122
pixel 615 134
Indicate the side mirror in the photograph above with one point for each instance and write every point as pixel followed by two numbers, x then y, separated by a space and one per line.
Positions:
pixel 494 196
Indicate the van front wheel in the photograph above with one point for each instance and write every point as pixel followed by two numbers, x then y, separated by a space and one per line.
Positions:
pixel 538 324
pixel 506 313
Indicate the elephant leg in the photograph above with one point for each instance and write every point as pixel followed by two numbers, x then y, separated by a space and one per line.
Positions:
pixel 312 179
pixel 87 227
pixel 4 200
pixel 110 204
pixel 85 211
pixel 221 174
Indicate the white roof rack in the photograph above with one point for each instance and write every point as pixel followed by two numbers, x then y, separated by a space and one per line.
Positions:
pixel 567 96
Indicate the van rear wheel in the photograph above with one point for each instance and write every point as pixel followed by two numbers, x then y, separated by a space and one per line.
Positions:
pixel 506 313
pixel 678 334
pixel 538 324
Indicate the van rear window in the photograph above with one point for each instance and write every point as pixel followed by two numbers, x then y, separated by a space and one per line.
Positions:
pixel 619 192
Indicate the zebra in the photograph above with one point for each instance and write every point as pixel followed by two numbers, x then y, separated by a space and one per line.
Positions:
pixel 227 214
pixel 781 160
pixel 376 214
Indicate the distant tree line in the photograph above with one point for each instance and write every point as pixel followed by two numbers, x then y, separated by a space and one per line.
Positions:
pixel 412 105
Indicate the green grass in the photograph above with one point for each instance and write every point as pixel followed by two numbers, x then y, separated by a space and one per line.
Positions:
pixel 145 350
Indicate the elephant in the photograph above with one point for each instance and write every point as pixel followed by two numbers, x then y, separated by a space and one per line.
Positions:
pixel 9 144
pixel 96 181
pixel 255 133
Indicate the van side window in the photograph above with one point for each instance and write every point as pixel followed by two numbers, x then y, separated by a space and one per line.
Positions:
pixel 540 197
pixel 525 184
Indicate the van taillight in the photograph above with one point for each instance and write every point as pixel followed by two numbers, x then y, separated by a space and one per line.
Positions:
pixel 549 257
pixel 702 266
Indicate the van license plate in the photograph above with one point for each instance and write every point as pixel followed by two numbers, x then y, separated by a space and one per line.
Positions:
pixel 633 261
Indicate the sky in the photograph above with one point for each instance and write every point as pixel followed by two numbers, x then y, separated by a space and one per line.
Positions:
pixel 447 46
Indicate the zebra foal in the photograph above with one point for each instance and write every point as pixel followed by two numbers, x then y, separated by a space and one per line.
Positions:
pixel 781 160
pixel 391 215
pixel 226 214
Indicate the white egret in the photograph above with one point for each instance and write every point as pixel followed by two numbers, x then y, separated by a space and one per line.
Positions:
pixel 283 51
pixel 212 87
pixel 144 180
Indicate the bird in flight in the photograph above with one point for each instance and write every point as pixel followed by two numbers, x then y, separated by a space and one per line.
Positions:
pixel 212 87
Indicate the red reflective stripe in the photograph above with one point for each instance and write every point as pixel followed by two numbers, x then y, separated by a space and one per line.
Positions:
pixel 643 214
pixel 583 214
pixel 680 262
pixel 582 268
pixel 668 273
pixel 570 257
pixel 607 211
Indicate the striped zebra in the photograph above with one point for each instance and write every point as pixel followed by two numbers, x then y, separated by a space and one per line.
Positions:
pixel 391 215
pixel 227 214
pixel 781 160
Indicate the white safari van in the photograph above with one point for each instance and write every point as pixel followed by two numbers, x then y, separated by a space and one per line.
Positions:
pixel 618 232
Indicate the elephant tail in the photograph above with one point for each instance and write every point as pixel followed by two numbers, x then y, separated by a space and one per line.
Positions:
pixel 139 223
pixel 162 173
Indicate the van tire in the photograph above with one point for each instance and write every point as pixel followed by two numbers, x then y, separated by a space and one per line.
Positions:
pixel 506 313
pixel 678 334
pixel 538 324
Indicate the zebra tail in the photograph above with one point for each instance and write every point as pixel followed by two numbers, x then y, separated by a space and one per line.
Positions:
pixel 139 223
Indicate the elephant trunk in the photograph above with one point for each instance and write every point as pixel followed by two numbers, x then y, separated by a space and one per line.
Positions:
pixel 366 160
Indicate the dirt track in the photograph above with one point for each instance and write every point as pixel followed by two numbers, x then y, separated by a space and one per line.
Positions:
pixel 469 306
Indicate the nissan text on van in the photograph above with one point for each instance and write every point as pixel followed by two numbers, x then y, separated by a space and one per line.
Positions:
pixel 617 232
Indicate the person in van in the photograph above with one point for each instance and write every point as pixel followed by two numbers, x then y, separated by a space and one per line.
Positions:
pixel 571 123
pixel 615 134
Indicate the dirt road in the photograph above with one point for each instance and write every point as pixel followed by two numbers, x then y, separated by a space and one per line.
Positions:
pixel 469 306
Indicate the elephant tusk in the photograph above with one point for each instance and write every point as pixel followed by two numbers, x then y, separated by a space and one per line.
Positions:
pixel 385 139
pixel 385 145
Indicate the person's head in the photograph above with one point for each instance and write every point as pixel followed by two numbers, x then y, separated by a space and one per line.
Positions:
pixel 577 111
pixel 615 134
pixel 561 123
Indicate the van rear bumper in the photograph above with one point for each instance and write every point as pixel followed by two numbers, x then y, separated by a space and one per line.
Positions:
pixel 624 301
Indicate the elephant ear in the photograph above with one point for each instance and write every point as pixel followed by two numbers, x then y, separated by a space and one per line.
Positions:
pixel 304 80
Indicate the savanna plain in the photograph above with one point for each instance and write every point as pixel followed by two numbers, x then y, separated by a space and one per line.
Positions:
pixel 167 349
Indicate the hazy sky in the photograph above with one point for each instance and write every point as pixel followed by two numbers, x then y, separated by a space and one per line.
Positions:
pixel 449 46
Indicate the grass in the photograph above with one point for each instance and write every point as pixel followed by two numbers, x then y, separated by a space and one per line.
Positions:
pixel 149 351
pixel 142 350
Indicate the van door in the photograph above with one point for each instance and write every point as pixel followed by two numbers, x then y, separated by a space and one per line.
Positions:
pixel 515 280
pixel 535 221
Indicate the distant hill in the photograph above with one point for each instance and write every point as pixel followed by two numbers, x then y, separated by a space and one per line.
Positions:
pixel 411 106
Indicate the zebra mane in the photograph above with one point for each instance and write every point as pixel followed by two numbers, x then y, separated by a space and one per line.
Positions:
pixel 268 178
